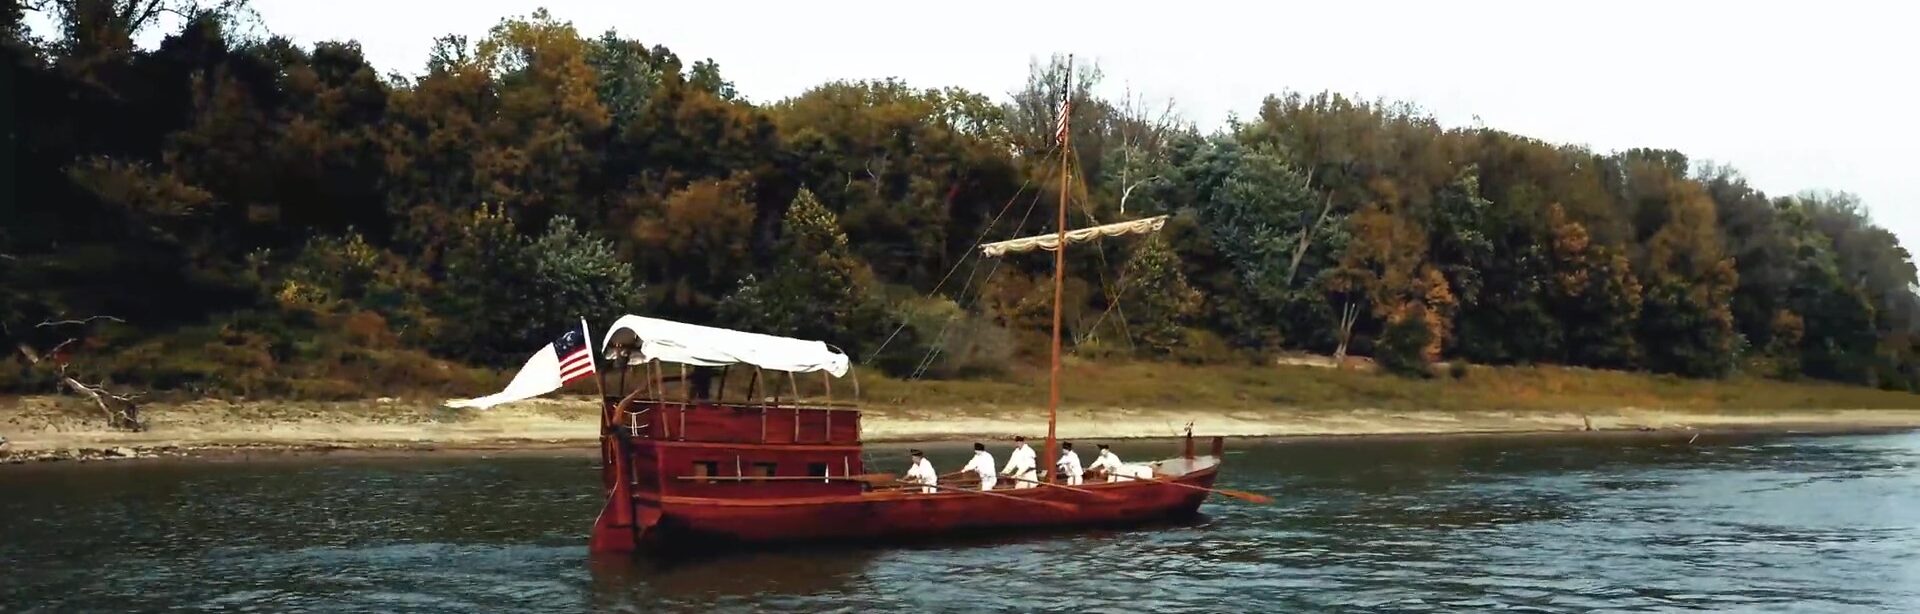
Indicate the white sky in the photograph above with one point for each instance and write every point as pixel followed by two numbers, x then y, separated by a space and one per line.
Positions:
pixel 1803 95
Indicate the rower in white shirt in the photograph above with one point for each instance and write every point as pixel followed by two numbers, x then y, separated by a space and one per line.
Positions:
pixel 982 466
pixel 1069 464
pixel 921 473
pixel 1021 464
pixel 1107 463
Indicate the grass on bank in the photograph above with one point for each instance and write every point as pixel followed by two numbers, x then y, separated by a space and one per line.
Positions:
pixel 339 376
pixel 1242 388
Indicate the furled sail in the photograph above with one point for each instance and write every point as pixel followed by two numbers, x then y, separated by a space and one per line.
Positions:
pixel 1051 241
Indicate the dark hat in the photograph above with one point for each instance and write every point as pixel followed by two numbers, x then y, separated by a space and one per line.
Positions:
pixel 915 452
pixel 1103 446
pixel 979 446
pixel 1019 438
pixel 1066 444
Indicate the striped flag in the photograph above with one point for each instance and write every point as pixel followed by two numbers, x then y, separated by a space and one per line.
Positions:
pixel 1060 127
pixel 567 360
pixel 576 355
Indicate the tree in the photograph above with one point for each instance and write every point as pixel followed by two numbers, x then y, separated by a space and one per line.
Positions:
pixel 1278 234
pixel 1156 299
pixel 1385 264
pixel 1594 298
pixel 1686 322
pixel 691 245
pixel 816 288
pixel 503 293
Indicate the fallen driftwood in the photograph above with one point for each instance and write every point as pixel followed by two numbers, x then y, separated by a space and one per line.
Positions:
pixel 122 410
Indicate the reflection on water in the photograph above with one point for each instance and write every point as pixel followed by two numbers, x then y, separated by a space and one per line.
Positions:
pixel 1802 524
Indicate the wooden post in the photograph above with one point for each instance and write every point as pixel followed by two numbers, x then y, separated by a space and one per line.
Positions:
pixel 1188 452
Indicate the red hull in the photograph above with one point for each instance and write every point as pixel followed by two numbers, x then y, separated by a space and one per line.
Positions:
pixel 880 517
pixel 674 490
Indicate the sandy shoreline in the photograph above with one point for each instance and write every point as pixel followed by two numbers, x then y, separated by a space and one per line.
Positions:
pixel 41 429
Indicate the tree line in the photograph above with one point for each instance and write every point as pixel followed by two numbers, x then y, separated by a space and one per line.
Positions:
pixel 248 204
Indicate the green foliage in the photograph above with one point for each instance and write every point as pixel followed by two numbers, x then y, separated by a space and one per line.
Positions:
pixel 937 339
pixel 1401 349
pixel 503 294
pixel 310 222
pixel 341 275
pixel 1258 217
pixel 816 288
pixel 1157 300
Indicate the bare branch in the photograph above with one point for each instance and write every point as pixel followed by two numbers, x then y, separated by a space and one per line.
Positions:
pixel 63 345
pixel 80 322
pixel 33 358
pixel 1306 238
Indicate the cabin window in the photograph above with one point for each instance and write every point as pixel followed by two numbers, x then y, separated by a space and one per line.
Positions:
pixel 763 470
pixel 817 470
pixel 703 470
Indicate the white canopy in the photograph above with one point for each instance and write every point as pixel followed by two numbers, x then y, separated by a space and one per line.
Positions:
pixel 1051 241
pixel 706 346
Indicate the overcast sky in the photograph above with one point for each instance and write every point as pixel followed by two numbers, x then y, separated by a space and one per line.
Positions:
pixel 1803 95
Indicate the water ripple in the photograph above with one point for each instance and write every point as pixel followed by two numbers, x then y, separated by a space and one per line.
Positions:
pixel 1804 524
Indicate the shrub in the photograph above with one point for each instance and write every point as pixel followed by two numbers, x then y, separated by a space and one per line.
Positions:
pixel 1401 349
pixel 505 296
pixel 938 339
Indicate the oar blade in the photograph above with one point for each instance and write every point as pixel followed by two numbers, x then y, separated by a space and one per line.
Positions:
pixel 1250 497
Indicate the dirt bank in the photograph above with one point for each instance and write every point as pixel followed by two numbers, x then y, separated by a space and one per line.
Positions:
pixel 48 429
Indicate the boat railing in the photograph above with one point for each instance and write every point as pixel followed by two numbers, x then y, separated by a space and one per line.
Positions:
pixel 735 422
pixel 697 410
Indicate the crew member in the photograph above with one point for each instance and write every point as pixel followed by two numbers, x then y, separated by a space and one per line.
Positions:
pixel 1107 463
pixel 1021 464
pixel 1069 464
pixel 982 466
pixel 921 472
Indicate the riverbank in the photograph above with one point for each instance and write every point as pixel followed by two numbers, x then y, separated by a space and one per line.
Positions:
pixel 1105 402
pixel 225 431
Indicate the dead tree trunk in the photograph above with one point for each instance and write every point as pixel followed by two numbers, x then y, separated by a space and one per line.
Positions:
pixel 122 411
pixel 1306 239
pixel 1349 314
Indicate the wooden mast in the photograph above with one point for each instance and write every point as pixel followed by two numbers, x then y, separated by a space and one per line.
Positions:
pixel 1059 266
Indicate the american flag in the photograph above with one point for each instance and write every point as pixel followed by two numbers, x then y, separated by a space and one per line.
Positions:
pixel 576 357
pixel 1060 127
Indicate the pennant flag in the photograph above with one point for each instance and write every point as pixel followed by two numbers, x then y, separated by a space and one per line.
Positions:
pixel 565 361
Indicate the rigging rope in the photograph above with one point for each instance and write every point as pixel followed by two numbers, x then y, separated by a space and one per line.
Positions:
pixel 1113 294
pixel 963 257
pixel 939 345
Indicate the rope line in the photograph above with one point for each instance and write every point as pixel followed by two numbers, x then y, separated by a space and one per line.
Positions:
pixel 963 257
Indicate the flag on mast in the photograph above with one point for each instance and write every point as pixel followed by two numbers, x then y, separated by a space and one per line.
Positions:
pixel 1060 127
pixel 567 360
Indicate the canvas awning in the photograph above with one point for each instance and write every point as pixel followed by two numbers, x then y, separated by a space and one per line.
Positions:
pixel 1051 241
pixel 706 346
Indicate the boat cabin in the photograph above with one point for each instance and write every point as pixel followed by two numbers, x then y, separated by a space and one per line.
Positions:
pixel 695 411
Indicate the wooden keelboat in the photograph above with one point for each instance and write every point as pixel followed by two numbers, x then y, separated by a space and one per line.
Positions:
pixel 681 466
pixel 678 469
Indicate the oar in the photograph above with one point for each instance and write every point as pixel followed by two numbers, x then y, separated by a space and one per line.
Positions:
pixel 1052 504
pixel 873 477
pixel 1060 486
pixel 1237 494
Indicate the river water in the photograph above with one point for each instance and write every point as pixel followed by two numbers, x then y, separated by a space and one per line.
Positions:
pixel 1630 524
